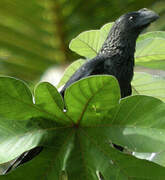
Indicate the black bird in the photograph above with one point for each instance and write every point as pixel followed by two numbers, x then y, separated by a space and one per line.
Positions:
pixel 116 58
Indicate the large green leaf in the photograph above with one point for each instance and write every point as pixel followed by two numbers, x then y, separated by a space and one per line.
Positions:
pixel 77 143
pixel 86 98
pixel 89 43
pixel 16 107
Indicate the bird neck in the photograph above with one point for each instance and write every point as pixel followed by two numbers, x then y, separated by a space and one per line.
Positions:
pixel 119 43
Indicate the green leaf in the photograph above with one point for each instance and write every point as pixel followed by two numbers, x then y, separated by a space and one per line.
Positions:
pixel 70 71
pixel 150 46
pixel 136 130
pixel 83 98
pixel 15 99
pixel 21 121
pixel 48 98
pixel 89 43
pixel 16 106
pixel 147 84
pixel 79 143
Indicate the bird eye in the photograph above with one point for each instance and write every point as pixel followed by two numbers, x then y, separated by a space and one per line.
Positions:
pixel 131 18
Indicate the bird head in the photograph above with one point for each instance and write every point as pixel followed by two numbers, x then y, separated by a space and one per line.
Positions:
pixel 136 21
pixel 126 30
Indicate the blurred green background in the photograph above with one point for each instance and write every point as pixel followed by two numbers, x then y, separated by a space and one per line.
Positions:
pixel 34 35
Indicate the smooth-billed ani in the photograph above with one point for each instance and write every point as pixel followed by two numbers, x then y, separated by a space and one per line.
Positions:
pixel 116 56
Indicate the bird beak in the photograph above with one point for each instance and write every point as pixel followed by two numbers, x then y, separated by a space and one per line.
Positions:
pixel 146 17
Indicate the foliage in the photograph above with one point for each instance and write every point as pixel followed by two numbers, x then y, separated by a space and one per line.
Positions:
pixel 77 143
pixel 77 132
